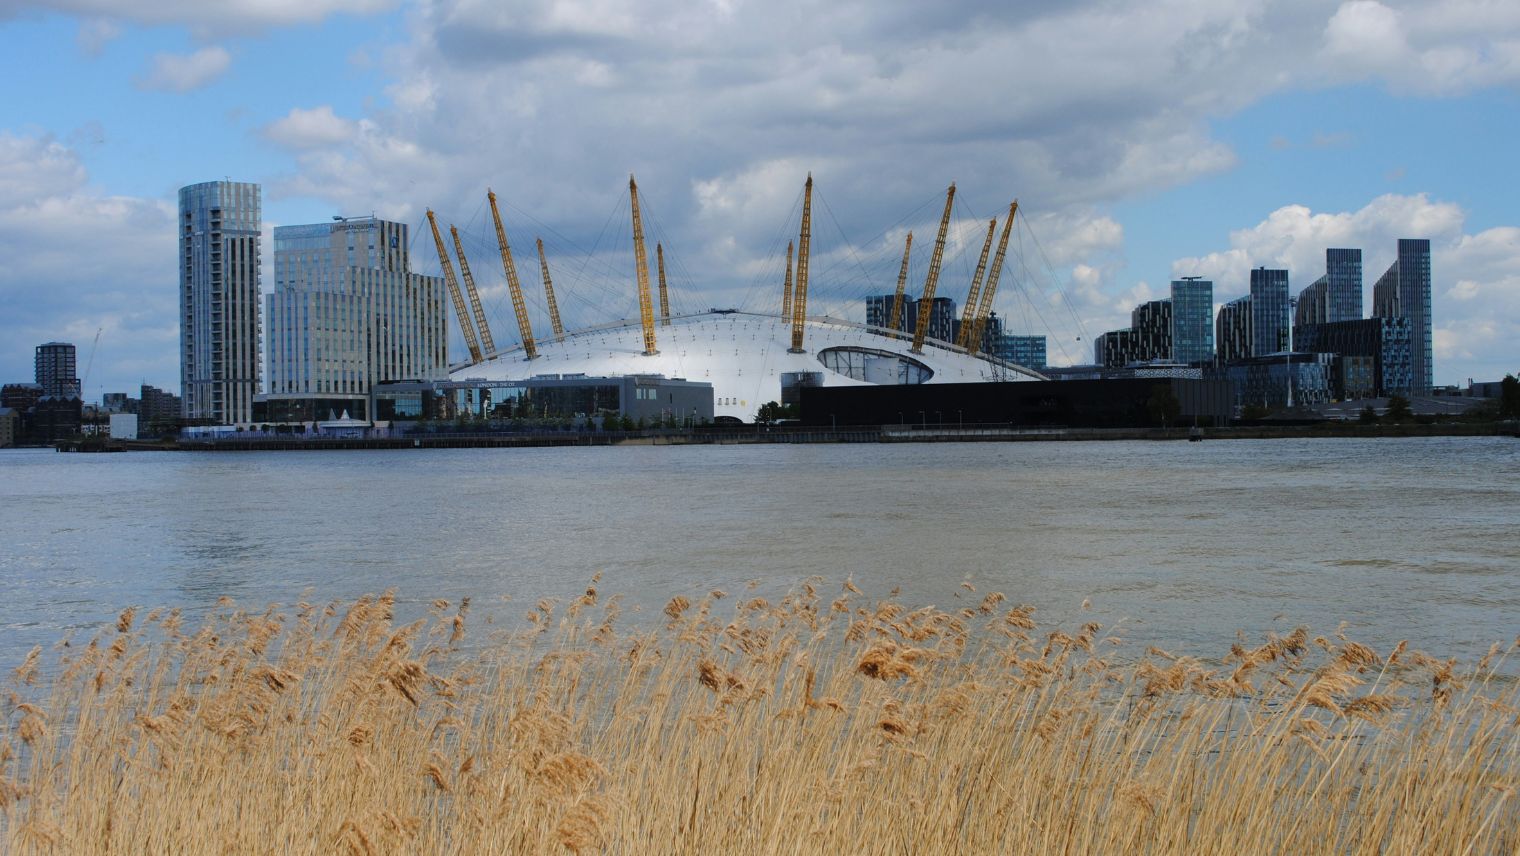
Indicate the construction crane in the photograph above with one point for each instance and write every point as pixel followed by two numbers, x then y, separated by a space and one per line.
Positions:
pixel 799 293
pixel 448 277
pixel 487 344
pixel 968 317
pixel 926 301
pixel 543 262
pixel 90 362
pixel 659 255
pixel 641 264
pixel 902 281
pixel 786 288
pixel 524 326
pixel 990 289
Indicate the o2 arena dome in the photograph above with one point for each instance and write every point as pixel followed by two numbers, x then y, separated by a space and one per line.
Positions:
pixel 747 356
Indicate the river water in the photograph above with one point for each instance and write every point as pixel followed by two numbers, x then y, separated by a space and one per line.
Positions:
pixel 1180 544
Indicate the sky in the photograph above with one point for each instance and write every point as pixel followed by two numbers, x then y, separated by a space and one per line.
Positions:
pixel 1144 141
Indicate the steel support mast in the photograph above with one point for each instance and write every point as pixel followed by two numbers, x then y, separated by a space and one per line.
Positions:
pixel 786 287
pixel 799 295
pixel 926 301
pixel 487 344
pixel 902 282
pixel 524 326
pixel 659 257
pixel 448 277
pixel 968 315
pixel 990 289
pixel 543 262
pixel 641 263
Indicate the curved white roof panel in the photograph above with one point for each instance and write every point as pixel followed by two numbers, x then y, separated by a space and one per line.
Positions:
pixel 743 355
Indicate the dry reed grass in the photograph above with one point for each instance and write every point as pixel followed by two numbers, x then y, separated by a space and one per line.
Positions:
pixel 811 725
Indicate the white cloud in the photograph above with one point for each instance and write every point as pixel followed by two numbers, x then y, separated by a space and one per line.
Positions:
pixel 305 129
pixel 1424 47
pixel 219 17
pixel 184 72
pixel 95 33
pixel 78 261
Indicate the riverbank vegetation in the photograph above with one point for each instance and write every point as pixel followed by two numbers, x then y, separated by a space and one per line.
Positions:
pixel 822 723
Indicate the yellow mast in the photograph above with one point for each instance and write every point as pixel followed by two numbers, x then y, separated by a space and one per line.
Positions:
pixel 799 295
pixel 902 281
pixel 448 277
pixel 488 345
pixel 641 263
pixel 968 316
pixel 926 301
pixel 786 288
pixel 543 262
pixel 524 326
pixel 659 255
pixel 992 282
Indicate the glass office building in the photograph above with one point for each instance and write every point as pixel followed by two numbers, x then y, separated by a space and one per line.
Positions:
pixel 345 313
pixel 1343 280
pixel 1192 321
pixel 1026 351
pixel 219 225
pixel 1334 297
pixel 1382 345
pixel 1266 381
pixel 1232 330
pixel 1403 291
pixel 1269 312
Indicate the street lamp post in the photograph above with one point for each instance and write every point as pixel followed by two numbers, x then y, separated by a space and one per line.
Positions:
pixel 1292 305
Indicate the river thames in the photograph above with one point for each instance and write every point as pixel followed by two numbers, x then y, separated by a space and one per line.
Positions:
pixel 1179 544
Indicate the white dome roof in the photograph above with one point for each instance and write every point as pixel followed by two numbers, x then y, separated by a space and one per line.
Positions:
pixel 742 355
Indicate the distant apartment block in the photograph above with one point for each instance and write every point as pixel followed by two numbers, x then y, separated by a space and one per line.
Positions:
pixel 1232 330
pixel 57 371
pixel 1376 355
pixel 1026 351
pixel 1403 291
pixel 219 223
pixel 1337 295
pixel 157 410
pixel 942 321
pixel 1269 312
pixel 1192 321
pixel 345 313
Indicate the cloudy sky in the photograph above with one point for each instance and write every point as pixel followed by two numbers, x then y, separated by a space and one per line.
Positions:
pixel 1143 140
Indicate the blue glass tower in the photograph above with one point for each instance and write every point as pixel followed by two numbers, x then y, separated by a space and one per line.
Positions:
pixel 1269 311
pixel 1403 291
pixel 1192 316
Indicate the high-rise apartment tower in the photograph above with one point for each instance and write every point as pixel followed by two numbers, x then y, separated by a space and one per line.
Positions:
pixel 1403 291
pixel 57 370
pixel 219 300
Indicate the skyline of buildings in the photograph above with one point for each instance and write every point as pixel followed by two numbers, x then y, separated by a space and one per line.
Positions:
pixel 1277 349
pixel 345 312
